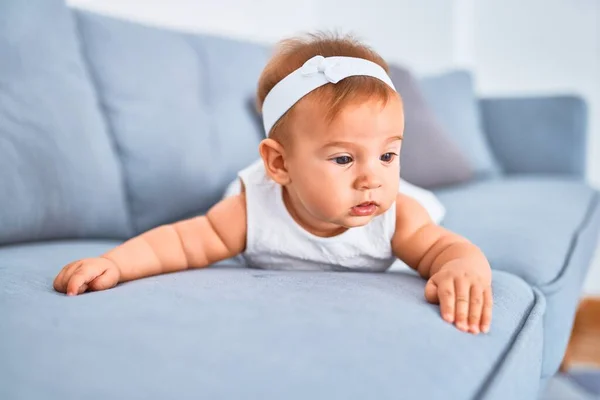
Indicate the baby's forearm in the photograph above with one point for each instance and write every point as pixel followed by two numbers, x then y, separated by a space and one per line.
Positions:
pixel 460 250
pixel 154 252
pixel 191 243
pixel 447 248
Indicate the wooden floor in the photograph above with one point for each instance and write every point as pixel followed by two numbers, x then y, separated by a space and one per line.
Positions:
pixel 584 344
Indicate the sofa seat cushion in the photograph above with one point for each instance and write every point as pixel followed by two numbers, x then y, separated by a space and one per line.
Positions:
pixel 232 333
pixel 525 225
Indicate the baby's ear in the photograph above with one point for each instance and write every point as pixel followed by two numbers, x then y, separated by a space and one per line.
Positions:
pixel 273 155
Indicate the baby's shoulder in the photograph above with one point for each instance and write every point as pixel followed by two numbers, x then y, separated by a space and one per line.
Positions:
pixel 410 215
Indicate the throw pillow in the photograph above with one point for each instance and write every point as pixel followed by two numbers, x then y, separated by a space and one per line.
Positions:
pixel 452 98
pixel 429 158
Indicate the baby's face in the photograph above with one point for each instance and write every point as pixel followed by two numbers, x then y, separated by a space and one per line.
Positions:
pixel 346 172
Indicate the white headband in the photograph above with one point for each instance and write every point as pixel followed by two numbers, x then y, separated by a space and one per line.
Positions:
pixel 316 72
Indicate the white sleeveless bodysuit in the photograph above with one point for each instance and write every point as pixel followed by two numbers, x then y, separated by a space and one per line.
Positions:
pixel 275 241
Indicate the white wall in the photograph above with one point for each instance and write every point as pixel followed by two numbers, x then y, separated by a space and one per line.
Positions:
pixel 399 29
pixel 255 20
pixel 514 46
pixel 540 46
pixel 418 34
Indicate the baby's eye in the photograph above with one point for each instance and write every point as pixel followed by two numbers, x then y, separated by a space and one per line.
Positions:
pixel 388 157
pixel 342 160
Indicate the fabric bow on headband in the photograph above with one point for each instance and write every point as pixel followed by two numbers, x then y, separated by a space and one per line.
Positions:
pixel 330 67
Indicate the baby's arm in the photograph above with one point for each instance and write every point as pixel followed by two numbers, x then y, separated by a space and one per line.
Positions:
pixel 459 275
pixel 191 243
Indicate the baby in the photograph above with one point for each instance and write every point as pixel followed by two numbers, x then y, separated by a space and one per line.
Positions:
pixel 324 195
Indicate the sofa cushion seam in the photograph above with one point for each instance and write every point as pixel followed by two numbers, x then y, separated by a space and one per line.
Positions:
pixel 553 285
pixel 503 359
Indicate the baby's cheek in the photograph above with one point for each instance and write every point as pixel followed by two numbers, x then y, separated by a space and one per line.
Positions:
pixel 391 194
pixel 327 201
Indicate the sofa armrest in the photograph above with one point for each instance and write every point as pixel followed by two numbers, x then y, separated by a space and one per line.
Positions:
pixel 537 134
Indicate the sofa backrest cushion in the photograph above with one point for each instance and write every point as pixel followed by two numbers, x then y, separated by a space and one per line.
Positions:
pixel 176 105
pixel 60 177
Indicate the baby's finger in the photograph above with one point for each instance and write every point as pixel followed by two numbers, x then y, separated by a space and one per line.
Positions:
pixel 431 292
pixel 79 280
pixel 486 315
pixel 475 308
pixel 462 288
pixel 61 280
pixel 446 296
pixel 105 280
pixel 58 281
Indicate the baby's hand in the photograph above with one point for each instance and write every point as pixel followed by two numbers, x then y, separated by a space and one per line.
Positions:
pixel 90 273
pixel 464 293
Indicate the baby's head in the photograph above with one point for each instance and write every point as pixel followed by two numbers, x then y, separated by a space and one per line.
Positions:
pixel 333 146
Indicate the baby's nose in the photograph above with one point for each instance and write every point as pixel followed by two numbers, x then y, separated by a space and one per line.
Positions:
pixel 368 182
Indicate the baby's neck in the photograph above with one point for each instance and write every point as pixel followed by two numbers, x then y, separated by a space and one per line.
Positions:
pixel 308 223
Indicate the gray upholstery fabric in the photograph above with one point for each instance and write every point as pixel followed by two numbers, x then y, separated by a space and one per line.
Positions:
pixel 543 229
pixel 537 134
pixel 60 177
pixel 233 333
pixel 176 104
pixel 524 225
pixel 563 294
pixel 429 157
pixel 452 97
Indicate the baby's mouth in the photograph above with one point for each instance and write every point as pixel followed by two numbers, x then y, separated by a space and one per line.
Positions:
pixel 364 209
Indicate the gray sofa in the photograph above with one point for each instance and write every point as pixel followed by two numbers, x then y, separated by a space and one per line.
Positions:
pixel 108 128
